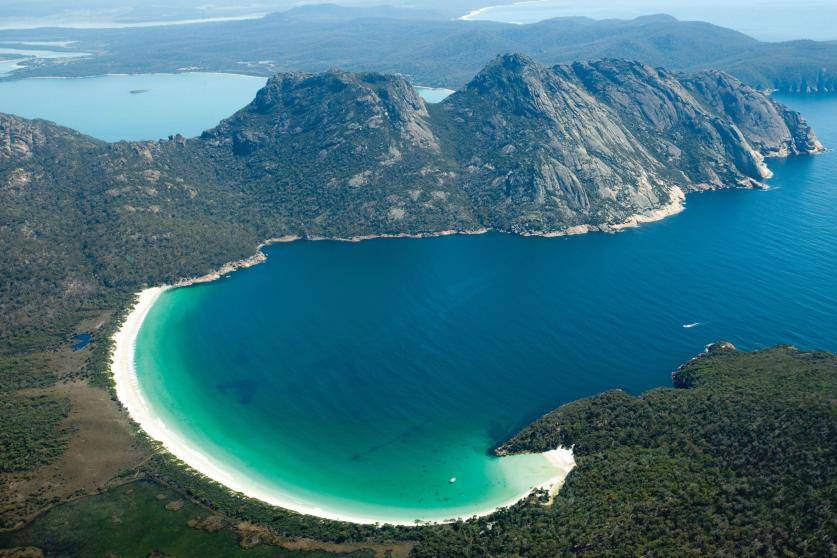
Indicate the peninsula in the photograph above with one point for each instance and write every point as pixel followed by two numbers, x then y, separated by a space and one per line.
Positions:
pixel 522 148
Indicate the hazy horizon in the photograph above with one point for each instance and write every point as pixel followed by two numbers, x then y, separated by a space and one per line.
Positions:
pixel 769 20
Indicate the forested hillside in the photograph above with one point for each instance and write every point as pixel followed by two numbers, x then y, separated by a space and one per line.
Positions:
pixel 522 148
pixel 432 50
pixel 738 458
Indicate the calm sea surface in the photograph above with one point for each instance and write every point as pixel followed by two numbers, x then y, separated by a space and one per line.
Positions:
pixel 361 377
pixel 131 107
pixel 768 20
pixel 140 106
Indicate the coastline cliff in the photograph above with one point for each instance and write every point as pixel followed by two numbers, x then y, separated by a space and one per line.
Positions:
pixel 522 148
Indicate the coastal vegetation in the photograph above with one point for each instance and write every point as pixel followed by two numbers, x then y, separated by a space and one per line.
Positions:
pixel 736 458
pixel 146 519
pixel 31 435
pixel 342 155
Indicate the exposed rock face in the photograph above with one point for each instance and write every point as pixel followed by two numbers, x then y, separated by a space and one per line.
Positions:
pixel 358 113
pixel 696 147
pixel 522 148
pixel 18 137
pixel 591 144
pixel 771 128
pixel 543 153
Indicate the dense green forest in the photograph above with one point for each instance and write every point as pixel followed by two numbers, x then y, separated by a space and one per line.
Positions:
pixel 737 458
pixel 339 155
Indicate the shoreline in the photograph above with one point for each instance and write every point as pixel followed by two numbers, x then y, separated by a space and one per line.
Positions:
pixel 141 412
pixel 472 15
pixel 45 23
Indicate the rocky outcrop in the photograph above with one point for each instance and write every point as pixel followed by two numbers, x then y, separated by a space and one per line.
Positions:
pixel 18 138
pixel 772 129
pixel 543 154
pixel 361 112
pixel 522 148
pixel 21 139
pixel 696 146
pixel 589 145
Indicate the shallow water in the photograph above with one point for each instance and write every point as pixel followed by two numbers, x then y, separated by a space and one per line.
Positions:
pixel 361 377
pixel 30 53
pixel 14 56
pixel 102 21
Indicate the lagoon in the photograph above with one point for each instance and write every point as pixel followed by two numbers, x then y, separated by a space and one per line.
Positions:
pixel 11 58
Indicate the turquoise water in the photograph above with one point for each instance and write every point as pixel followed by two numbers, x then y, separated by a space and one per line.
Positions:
pixel 361 377
pixel 162 104
pixel 768 20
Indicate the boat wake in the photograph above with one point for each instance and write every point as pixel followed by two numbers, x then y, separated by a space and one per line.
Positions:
pixel 690 326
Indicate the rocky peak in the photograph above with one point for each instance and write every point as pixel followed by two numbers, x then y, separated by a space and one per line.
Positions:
pixel 19 137
pixel 331 106
pixel 283 91
pixel 515 83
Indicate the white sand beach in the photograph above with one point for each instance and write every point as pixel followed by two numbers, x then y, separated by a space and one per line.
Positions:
pixel 675 206
pixel 130 395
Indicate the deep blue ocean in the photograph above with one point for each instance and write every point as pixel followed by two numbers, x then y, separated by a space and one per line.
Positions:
pixel 361 377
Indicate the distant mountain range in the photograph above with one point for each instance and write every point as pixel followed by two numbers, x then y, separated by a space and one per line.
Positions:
pixel 522 148
pixel 434 50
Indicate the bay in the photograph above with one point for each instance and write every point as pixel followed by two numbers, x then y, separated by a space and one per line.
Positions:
pixel 359 378
pixel 131 107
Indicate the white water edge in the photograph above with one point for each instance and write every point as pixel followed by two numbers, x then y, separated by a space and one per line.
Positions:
pixel 132 398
